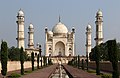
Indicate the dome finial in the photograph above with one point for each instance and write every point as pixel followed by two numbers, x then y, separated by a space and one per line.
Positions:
pixel 99 9
pixel 59 19
pixel 20 9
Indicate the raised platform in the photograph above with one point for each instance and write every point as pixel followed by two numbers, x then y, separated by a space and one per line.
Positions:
pixel 78 73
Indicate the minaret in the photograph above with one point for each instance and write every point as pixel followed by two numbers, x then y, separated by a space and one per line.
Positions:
pixel 88 40
pixel 99 29
pixel 46 39
pixel 20 30
pixel 31 36
pixel 73 41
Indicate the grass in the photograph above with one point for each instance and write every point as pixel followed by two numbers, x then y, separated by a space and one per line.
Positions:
pixel 30 71
pixel 106 76
pixel 103 75
pixel 14 75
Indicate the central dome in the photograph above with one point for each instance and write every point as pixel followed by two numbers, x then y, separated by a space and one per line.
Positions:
pixel 59 28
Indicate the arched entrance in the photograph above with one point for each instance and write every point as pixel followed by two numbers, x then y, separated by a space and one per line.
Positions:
pixel 60 49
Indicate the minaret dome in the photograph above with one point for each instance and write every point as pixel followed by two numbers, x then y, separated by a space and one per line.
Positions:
pixel 88 27
pixel 31 25
pixel 99 13
pixel 20 13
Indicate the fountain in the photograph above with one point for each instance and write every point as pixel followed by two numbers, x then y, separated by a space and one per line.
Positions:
pixel 59 72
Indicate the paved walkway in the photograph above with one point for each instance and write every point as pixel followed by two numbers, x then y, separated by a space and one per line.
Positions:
pixel 78 73
pixel 42 73
pixel 46 72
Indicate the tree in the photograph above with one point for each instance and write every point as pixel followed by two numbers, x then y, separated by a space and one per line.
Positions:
pixel 82 64
pixel 71 62
pixel 41 61
pixel 22 60
pixel 118 49
pixel 14 53
pixel 87 62
pixel 75 61
pixel 78 61
pixel 92 55
pixel 4 57
pixel 103 53
pixel 44 60
pixel 113 57
pixel 50 62
pixel 97 59
pixel 38 59
pixel 32 59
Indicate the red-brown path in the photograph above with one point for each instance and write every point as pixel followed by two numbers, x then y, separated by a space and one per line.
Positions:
pixel 78 73
pixel 46 72
pixel 42 73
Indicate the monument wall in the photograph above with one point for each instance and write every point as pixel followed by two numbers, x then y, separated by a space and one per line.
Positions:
pixel 15 65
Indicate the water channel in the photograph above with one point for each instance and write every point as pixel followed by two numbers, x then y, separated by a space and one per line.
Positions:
pixel 59 72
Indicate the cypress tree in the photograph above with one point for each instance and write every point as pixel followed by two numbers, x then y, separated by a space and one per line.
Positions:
pixel 41 61
pixel 38 59
pixel 113 57
pixel 87 62
pixel 22 60
pixel 97 59
pixel 75 61
pixel 50 62
pixel 32 59
pixel 4 58
pixel 82 64
pixel 44 60
pixel 78 61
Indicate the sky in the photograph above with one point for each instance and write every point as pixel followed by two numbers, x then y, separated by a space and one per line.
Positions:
pixel 42 13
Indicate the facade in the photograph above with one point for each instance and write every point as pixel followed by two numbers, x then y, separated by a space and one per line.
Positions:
pixel 88 40
pixel 99 27
pixel 59 42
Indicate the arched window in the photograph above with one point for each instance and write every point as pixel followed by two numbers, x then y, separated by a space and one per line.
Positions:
pixel 50 49
pixel 70 48
pixel 49 55
pixel 35 54
pixel 69 54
